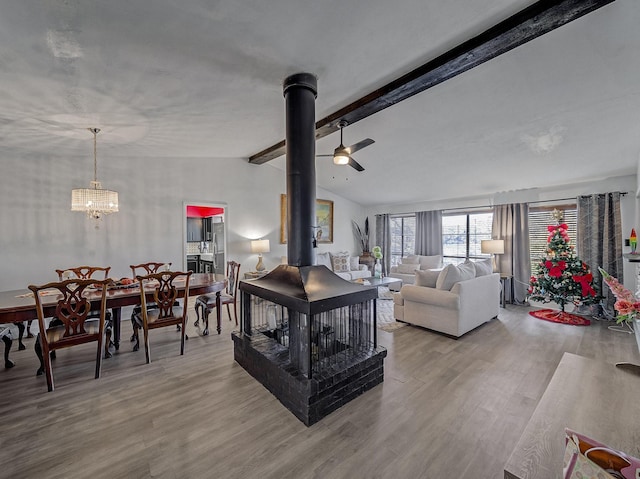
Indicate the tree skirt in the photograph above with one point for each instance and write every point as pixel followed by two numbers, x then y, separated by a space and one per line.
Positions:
pixel 560 317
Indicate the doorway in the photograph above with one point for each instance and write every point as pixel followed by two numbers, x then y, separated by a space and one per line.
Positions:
pixel 204 237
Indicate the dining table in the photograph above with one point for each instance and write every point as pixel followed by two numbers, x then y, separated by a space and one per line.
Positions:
pixel 19 305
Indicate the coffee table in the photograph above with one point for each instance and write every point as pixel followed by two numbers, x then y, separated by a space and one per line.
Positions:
pixel 386 281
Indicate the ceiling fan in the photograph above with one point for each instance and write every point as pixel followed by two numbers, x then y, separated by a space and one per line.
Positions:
pixel 342 154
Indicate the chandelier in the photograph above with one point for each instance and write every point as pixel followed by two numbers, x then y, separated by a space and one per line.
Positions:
pixel 95 201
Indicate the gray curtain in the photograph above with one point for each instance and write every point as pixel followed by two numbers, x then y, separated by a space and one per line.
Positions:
pixel 428 233
pixel 599 241
pixel 383 239
pixel 511 224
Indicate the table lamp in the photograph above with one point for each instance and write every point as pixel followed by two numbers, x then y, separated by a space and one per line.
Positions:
pixel 260 246
pixel 492 247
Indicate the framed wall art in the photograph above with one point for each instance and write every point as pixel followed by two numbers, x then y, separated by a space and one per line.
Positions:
pixel 324 220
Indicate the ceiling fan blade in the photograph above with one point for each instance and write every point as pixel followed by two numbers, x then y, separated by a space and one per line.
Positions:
pixel 317 156
pixel 354 164
pixel 359 146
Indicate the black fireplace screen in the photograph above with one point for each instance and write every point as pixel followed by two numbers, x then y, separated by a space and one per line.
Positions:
pixel 318 344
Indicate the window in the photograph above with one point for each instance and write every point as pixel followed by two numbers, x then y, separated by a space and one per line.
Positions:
pixel 462 235
pixel 539 219
pixel 403 237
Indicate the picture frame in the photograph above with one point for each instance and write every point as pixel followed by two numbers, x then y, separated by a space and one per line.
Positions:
pixel 323 223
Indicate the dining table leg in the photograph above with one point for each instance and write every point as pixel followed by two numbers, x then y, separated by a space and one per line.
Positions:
pixel 21 329
pixel 218 311
pixel 116 314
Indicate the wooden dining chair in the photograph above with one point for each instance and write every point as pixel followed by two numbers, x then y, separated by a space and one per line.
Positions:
pixel 89 272
pixel 206 302
pixel 143 269
pixel 73 325
pixel 167 311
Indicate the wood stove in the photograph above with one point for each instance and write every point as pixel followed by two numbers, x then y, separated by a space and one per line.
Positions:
pixel 306 334
pixel 310 338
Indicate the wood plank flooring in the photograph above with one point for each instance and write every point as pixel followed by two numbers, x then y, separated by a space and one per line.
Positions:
pixel 447 408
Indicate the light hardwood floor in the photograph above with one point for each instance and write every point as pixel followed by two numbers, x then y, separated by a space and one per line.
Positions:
pixel 447 408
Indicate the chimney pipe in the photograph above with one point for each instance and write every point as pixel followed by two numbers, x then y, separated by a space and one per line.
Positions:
pixel 300 91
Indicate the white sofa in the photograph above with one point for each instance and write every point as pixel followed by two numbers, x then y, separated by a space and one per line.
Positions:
pixel 406 269
pixel 344 265
pixel 452 301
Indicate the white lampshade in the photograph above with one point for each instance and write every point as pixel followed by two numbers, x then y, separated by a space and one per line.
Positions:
pixel 260 246
pixel 492 246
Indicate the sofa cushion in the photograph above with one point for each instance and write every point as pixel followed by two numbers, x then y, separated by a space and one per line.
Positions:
pixel 407 268
pixel 430 262
pixel 411 259
pixel 427 278
pixel 345 276
pixel 340 262
pixel 359 273
pixel 451 274
pixel 324 259
pixel 483 268
pixel 354 263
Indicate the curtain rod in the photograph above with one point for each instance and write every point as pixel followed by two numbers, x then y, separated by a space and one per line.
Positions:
pixel 466 208
pixel 622 193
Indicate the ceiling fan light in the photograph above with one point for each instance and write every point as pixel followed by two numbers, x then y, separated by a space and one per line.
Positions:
pixel 341 159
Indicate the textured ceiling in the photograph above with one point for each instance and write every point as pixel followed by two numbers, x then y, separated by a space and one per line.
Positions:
pixel 201 78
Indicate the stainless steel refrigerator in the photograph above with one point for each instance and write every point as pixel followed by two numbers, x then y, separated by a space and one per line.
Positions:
pixel 219 262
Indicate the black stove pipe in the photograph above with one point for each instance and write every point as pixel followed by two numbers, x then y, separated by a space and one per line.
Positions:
pixel 300 91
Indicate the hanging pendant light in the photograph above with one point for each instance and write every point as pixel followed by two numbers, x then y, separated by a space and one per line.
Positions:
pixel 94 201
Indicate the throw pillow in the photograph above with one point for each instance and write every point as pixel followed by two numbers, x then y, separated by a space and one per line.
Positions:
pixel 354 264
pixel 340 262
pixel 407 268
pixel 428 278
pixel 411 259
pixel 452 274
pixel 483 268
pixel 430 262
pixel 324 259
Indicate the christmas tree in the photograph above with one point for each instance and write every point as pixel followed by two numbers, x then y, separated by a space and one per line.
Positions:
pixel 561 276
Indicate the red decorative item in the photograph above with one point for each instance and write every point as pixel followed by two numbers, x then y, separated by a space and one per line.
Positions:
pixel 560 317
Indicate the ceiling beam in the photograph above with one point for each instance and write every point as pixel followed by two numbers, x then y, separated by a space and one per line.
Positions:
pixel 532 22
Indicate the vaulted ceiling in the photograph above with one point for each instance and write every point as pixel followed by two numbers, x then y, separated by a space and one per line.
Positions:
pixel 201 78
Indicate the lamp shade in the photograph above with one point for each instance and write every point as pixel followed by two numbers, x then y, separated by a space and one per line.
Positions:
pixel 492 246
pixel 260 246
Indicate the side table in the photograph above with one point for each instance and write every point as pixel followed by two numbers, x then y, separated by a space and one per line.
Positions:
pixel 506 280
pixel 255 274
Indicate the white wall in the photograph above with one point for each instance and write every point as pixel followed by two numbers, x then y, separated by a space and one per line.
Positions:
pixel 40 233
pixel 629 204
